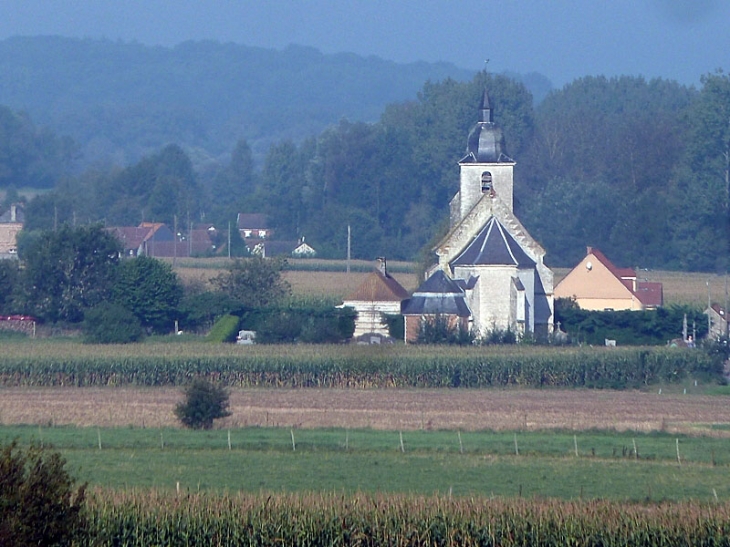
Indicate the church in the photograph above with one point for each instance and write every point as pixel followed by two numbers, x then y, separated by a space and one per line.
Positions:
pixel 490 273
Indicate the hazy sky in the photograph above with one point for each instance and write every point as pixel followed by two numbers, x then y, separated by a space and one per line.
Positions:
pixel 562 39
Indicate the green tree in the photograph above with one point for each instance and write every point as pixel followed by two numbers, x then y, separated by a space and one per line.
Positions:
pixel 701 189
pixel 110 323
pixel 67 272
pixel 151 290
pixel 30 156
pixel 200 311
pixel 158 188
pixel 204 402
pixel 254 282
pixel 9 278
pixel 39 502
pixel 440 330
pixel 234 186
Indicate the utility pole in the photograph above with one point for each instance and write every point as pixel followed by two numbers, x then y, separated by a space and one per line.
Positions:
pixel 727 321
pixel 709 309
pixel 190 236
pixel 349 234
pixel 174 240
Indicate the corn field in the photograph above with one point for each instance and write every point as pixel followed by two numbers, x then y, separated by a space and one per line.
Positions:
pixel 348 366
pixel 153 518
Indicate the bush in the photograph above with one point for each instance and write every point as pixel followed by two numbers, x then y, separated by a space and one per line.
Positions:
pixel 204 402
pixel 308 324
pixel 110 323
pixel 440 330
pixel 38 502
pixel 200 311
pixel 224 330
pixel 628 327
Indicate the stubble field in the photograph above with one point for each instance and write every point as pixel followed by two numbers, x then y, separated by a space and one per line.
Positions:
pixel 389 409
pixel 679 287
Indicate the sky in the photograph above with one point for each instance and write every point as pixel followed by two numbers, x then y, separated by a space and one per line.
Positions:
pixel 562 39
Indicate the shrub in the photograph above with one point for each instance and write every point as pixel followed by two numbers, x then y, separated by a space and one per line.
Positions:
pixel 224 330
pixel 204 402
pixel 200 311
pixel 39 504
pixel 309 324
pixel 110 323
pixel 396 325
pixel 439 330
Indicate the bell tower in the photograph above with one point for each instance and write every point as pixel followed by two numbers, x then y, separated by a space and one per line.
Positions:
pixel 486 168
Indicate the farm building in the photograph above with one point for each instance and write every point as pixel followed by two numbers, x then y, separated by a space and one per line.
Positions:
pixel 487 254
pixel 378 295
pixel 718 321
pixel 158 240
pixel 596 284
pixel 11 223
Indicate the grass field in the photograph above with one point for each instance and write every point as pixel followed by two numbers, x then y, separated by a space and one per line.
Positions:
pixel 373 461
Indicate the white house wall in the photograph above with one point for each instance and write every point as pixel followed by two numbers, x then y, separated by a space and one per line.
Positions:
pixel 370 315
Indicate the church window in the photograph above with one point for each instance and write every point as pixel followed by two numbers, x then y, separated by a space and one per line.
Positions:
pixel 486 182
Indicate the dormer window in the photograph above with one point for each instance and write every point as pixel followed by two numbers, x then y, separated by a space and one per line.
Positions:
pixel 486 182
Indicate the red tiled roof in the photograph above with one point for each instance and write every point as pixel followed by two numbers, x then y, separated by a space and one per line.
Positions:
pixel 252 221
pixel 650 294
pixel 621 273
pixel 381 287
pixel 131 237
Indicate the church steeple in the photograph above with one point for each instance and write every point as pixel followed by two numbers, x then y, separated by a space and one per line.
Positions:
pixel 486 168
pixel 485 112
pixel 485 143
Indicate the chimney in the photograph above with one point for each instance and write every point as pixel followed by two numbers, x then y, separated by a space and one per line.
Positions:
pixel 13 213
pixel 382 266
pixel 589 250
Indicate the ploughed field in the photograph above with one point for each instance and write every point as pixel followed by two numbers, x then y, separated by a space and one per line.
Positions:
pixel 382 409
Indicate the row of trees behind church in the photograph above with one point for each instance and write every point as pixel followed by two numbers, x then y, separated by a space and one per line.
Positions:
pixel 638 168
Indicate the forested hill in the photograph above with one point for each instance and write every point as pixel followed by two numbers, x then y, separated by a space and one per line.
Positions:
pixel 119 101
pixel 637 168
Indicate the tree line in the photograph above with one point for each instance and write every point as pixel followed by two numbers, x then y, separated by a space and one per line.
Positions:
pixel 74 277
pixel 636 168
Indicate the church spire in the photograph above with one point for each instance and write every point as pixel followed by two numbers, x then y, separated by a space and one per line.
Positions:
pixel 485 112
pixel 485 143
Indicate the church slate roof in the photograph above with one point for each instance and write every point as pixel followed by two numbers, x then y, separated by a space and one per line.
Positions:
pixel 437 295
pixel 493 246
pixel 485 143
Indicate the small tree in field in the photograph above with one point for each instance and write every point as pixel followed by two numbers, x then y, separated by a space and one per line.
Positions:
pixel 204 402
pixel 39 504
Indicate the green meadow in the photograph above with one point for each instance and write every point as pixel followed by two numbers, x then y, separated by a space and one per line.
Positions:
pixel 507 464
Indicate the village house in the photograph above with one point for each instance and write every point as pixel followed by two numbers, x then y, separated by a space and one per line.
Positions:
pixel 718 321
pixel 378 296
pixel 253 226
pixel 157 240
pixel 596 284
pixel 292 249
pixel 490 272
pixel 11 223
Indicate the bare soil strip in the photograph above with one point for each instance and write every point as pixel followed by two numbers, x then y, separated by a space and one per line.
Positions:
pixel 377 409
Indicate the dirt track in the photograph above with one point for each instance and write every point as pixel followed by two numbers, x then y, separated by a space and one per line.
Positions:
pixel 378 409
